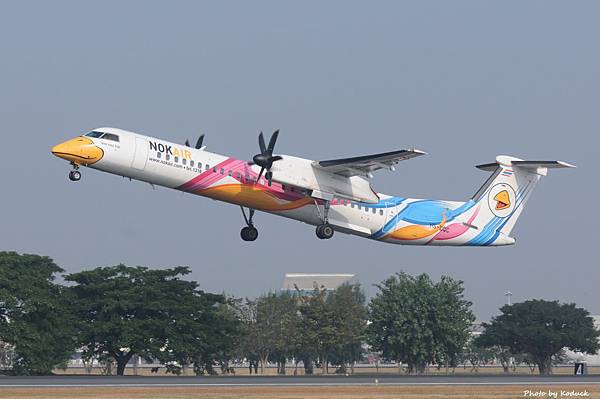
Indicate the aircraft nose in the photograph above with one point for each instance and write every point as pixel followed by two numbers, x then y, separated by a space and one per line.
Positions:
pixel 80 150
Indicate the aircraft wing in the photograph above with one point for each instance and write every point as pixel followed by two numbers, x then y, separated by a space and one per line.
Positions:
pixel 364 165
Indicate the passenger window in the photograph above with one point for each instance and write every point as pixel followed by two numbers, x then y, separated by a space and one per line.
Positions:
pixel 222 171
pixel 238 175
pixel 207 166
pixel 352 205
pixel 230 173
pixel 183 161
pixel 381 212
pixel 158 155
pixel 247 178
pixel 215 169
pixel 199 165
pixel 358 206
pixel 176 159
pixel 374 210
pixel 167 157
pixel 192 164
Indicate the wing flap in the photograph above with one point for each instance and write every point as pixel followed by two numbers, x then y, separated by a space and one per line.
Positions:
pixel 365 164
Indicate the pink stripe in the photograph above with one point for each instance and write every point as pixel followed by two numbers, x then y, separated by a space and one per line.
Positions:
pixel 456 229
pixel 205 178
pixel 208 178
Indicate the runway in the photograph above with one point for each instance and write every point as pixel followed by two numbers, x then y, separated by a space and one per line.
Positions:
pixel 283 381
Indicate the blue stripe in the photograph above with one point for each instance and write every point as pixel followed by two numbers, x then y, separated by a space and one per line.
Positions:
pixel 491 231
pixel 424 212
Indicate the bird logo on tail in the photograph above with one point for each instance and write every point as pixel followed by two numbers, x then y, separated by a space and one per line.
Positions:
pixel 501 200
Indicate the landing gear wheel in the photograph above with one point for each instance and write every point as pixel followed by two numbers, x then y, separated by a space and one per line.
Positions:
pixel 324 231
pixel 249 233
pixel 74 175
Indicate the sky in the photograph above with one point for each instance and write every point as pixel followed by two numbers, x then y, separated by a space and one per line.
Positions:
pixel 464 81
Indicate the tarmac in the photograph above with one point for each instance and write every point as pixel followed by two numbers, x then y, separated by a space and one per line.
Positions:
pixel 282 381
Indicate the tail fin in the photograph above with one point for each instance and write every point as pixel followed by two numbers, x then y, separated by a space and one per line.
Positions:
pixel 504 195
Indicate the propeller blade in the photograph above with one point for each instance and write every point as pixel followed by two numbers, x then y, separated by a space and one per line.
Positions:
pixel 269 177
pixel 261 143
pixel 199 142
pixel 187 143
pixel 273 141
pixel 260 174
pixel 276 158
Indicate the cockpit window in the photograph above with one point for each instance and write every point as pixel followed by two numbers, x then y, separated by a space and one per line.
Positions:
pixel 110 136
pixel 94 134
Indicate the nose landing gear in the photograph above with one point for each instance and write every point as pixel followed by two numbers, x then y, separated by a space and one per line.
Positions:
pixel 75 174
pixel 249 233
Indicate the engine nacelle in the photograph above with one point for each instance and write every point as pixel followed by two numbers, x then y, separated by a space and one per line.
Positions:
pixel 299 172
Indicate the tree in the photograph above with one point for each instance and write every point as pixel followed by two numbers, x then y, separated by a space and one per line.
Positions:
pixel 452 319
pixel 126 311
pixel 347 303
pixel 35 316
pixel 417 321
pixel 318 326
pixel 476 355
pixel 270 327
pixel 204 336
pixel 542 329
pixel 248 342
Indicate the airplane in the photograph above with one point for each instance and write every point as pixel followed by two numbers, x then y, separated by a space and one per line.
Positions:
pixel 333 195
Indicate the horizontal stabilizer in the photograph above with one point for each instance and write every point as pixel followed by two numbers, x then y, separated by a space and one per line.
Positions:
pixel 542 164
pixel 537 166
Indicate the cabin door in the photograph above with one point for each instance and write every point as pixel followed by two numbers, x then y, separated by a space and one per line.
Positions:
pixel 141 154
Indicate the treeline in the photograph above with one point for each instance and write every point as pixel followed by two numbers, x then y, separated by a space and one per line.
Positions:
pixel 114 313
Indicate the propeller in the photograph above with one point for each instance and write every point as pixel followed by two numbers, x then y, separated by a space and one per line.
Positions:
pixel 266 158
pixel 198 143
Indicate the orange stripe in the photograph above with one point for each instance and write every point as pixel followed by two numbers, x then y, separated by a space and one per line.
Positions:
pixel 415 231
pixel 252 196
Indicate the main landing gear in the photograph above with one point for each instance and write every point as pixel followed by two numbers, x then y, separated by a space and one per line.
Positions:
pixel 324 230
pixel 248 233
pixel 75 174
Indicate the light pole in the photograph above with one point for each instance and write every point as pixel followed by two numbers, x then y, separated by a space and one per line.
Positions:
pixel 508 295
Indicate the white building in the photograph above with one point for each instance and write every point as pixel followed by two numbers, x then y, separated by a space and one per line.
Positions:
pixel 591 360
pixel 307 282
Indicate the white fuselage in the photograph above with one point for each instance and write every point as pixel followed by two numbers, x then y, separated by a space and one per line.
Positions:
pixel 298 191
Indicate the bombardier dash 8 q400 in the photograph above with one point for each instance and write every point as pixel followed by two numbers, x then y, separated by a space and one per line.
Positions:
pixel 332 195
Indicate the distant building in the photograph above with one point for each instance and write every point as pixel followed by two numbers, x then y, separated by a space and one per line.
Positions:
pixel 307 282
pixel 591 360
pixel 476 329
